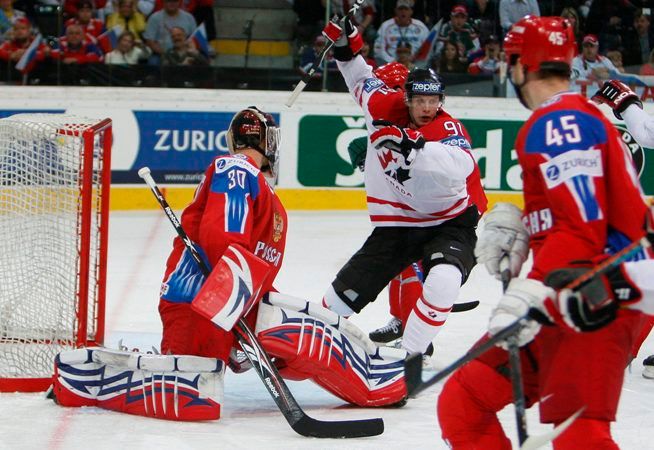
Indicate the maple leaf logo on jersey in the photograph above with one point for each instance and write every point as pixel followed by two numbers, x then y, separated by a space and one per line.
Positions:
pixel 386 158
pixel 400 175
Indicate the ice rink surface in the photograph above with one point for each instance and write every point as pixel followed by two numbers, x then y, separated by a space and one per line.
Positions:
pixel 319 243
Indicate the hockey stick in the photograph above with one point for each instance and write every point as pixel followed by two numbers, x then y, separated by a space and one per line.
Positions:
pixel 316 62
pixel 515 369
pixel 465 306
pixel 413 365
pixel 293 413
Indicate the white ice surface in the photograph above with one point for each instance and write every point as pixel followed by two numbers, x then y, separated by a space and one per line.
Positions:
pixel 319 243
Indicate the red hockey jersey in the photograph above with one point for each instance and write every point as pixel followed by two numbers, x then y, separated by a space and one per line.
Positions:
pixel 234 204
pixel 582 195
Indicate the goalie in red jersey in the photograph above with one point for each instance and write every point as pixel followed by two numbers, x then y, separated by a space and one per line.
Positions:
pixel 582 199
pixel 238 225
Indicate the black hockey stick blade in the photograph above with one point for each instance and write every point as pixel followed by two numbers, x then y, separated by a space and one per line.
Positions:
pixel 310 427
pixel 413 372
pixel 300 421
pixel 465 306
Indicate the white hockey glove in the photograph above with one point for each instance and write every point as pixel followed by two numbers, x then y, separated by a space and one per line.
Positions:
pixel 503 234
pixel 520 297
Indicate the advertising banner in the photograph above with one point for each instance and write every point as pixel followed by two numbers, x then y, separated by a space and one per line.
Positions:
pixel 323 159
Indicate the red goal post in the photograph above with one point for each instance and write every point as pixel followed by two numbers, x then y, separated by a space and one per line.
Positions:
pixel 54 215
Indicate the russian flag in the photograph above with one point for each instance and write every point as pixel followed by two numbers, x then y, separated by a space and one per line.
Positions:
pixel 109 39
pixel 425 48
pixel 26 62
pixel 199 37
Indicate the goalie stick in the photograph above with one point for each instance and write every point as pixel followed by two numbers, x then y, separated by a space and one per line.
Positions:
pixel 316 62
pixel 272 380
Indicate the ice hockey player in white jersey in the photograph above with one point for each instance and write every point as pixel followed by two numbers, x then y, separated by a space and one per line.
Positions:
pixel 421 196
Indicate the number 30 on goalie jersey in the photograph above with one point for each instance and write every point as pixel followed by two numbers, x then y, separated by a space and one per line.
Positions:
pixel 233 205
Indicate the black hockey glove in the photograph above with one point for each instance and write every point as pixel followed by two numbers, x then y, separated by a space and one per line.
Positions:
pixel 595 304
pixel 402 140
pixel 618 96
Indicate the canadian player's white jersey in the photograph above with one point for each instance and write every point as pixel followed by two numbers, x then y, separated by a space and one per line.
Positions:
pixel 428 191
pixel 640 125
pixel 640 272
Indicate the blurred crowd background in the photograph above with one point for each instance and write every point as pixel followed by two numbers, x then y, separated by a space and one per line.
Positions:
pixel 269 44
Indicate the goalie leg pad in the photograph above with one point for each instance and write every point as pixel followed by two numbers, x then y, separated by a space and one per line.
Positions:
pixel 173 387
pixel 316 343
pixel 233 287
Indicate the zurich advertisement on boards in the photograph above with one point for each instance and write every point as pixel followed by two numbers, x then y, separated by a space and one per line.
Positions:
pixel 176 145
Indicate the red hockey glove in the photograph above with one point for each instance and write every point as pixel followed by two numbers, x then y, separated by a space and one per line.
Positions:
pixel 333 30
pixel 402 140
pixel 345 36
pixel 595 303
pixel 618 96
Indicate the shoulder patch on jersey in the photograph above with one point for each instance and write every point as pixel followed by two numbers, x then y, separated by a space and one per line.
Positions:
pixel 372 84
pixel 235 161
pixel 565 166
pixel 560 131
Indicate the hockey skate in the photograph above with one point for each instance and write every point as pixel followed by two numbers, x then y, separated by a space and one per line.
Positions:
pixel 388 334
pixel 648 367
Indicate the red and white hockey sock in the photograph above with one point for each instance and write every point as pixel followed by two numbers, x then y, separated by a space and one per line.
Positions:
pixel 440 290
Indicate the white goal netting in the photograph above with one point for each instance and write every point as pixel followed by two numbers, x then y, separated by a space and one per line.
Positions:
pixel 51 209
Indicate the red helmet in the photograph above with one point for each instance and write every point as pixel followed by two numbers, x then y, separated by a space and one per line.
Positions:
pixel 393 74
pixel 540 42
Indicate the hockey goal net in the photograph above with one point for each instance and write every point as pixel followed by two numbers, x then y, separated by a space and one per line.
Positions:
pixel 54 209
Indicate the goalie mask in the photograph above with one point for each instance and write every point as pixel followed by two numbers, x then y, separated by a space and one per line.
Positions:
pixel 256 129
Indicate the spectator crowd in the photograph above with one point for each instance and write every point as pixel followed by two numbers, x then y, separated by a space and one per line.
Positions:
pixel 614 37
pixel 120 32
pixel 451 36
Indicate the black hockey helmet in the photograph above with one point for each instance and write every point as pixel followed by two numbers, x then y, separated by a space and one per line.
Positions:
pixel 256 129
pixel 424 82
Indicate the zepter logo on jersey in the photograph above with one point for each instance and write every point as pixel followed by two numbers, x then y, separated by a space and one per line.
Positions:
pixel 635 150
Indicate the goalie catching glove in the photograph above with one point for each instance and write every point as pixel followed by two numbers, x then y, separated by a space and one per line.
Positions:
pixel 401 140
pixel 346 44
pixel 618 96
